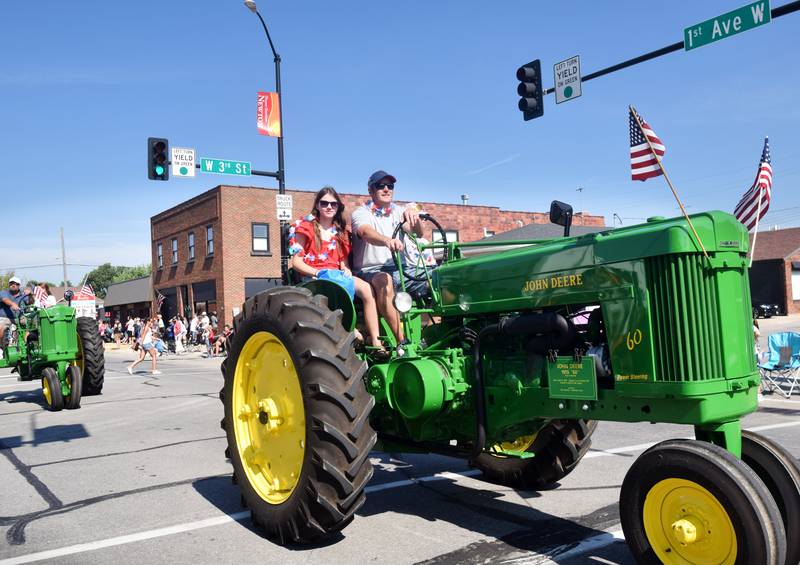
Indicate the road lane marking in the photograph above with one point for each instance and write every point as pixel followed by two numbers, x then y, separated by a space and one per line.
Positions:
pixel 417 480
pixel 588 544
pixel 644 446
pixel 130 538
pixel 190 526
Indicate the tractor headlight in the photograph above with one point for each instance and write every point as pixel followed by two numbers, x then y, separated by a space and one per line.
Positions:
pixel 403 302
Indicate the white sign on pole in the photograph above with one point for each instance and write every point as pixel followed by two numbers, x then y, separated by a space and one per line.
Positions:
pixel 283 202
pixel 567 76
pixel 182 162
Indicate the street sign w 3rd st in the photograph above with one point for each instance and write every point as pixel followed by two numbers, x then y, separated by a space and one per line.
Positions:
pixel 225 167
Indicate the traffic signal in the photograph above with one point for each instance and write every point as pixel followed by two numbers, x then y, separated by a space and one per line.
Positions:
pixel 530 90
pixel 157 158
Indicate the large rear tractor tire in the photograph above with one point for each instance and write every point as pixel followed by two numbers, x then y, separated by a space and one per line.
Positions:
pixel 73 400
pixel 91 359
pixel 51 389
pixel 296 416
pixel 780 472
pixel 557 448
pixel 688 501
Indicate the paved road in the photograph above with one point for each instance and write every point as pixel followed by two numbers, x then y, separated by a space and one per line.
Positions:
pixel 138 475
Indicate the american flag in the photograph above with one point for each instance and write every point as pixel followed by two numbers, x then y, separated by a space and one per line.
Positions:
pixel 86 293
pixel 40 296
pixel 761 191
pixel 159 300
pixel 644 164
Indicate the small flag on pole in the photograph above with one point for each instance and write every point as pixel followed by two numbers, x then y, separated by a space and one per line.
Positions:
pixel 755 202
pixel 40 296
pixel 86 293
pixel 644 163
pixel 159 300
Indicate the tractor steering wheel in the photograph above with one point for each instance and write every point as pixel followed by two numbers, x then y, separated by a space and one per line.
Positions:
pixel 420 263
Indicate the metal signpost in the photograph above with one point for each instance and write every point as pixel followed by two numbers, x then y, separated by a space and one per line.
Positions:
pixel 182 162
pixel 567 77
pixel 225 167
pixel 728 24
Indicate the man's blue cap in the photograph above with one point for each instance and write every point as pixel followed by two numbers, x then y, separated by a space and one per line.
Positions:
pixel 377 177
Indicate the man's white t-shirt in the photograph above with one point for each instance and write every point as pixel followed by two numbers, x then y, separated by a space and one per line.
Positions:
pixel 366 256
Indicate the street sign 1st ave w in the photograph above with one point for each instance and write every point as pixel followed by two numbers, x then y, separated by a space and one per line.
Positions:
pixel 225 167
pixel 726 25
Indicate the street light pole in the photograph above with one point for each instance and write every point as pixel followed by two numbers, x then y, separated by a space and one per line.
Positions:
pixel 251 5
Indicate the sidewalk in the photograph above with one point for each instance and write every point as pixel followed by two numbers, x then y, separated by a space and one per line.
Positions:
pixel 200 353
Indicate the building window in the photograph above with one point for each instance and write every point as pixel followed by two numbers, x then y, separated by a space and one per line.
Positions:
pixel 795 284
pixel 209 240
pixel 260 234
pixel 159 255
pixel 451 235
pixel 191 246
pixel 174 250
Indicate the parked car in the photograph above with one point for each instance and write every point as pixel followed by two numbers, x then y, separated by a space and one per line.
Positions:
pixel 765 310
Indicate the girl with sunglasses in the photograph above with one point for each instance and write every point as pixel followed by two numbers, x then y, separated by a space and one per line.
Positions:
pixel 319 242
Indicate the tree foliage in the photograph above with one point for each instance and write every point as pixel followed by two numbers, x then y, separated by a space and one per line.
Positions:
pixel 4 279
pixel 106 274
pixel 130 273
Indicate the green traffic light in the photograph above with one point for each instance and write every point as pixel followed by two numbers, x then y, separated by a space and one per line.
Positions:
pixel 159 170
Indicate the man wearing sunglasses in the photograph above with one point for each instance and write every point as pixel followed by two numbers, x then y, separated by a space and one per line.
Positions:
pixel 373 246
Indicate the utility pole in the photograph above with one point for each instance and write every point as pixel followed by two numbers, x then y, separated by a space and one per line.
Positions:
pixel 63 257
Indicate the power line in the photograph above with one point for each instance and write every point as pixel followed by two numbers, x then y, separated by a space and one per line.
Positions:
pixel 46 265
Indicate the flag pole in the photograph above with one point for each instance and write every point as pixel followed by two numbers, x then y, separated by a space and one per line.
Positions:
pixel 755 233
pixel 666 177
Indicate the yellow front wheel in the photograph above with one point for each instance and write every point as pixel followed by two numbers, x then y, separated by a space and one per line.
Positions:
pixel 690 502
pixel 296 416
pixel 51 389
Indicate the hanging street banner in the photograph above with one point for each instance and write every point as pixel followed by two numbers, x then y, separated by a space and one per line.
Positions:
pixel 225 167
pixel 726 25
pixel 567 76
pixel 268 114
pixel 182 162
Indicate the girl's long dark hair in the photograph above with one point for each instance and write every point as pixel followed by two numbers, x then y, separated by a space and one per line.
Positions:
pixel 338 219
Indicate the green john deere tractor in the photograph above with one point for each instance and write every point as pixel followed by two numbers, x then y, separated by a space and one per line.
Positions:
pixel 526 350
pixel 62 350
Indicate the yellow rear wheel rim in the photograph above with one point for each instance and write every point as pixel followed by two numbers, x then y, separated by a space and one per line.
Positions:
pixel 685 523
pixel 522 443
pixel 79 361
pixel 269 418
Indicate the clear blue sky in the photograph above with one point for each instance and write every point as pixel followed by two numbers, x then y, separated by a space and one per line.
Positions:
pixel 425 90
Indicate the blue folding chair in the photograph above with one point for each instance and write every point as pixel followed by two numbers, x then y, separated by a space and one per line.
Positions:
pixel 782 369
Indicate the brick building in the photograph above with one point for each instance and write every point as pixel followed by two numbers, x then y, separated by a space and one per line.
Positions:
pixel 775 273
pixel 221 247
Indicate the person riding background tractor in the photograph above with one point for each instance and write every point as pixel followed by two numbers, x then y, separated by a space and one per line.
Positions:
pixel 10 302
pixel 374 224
